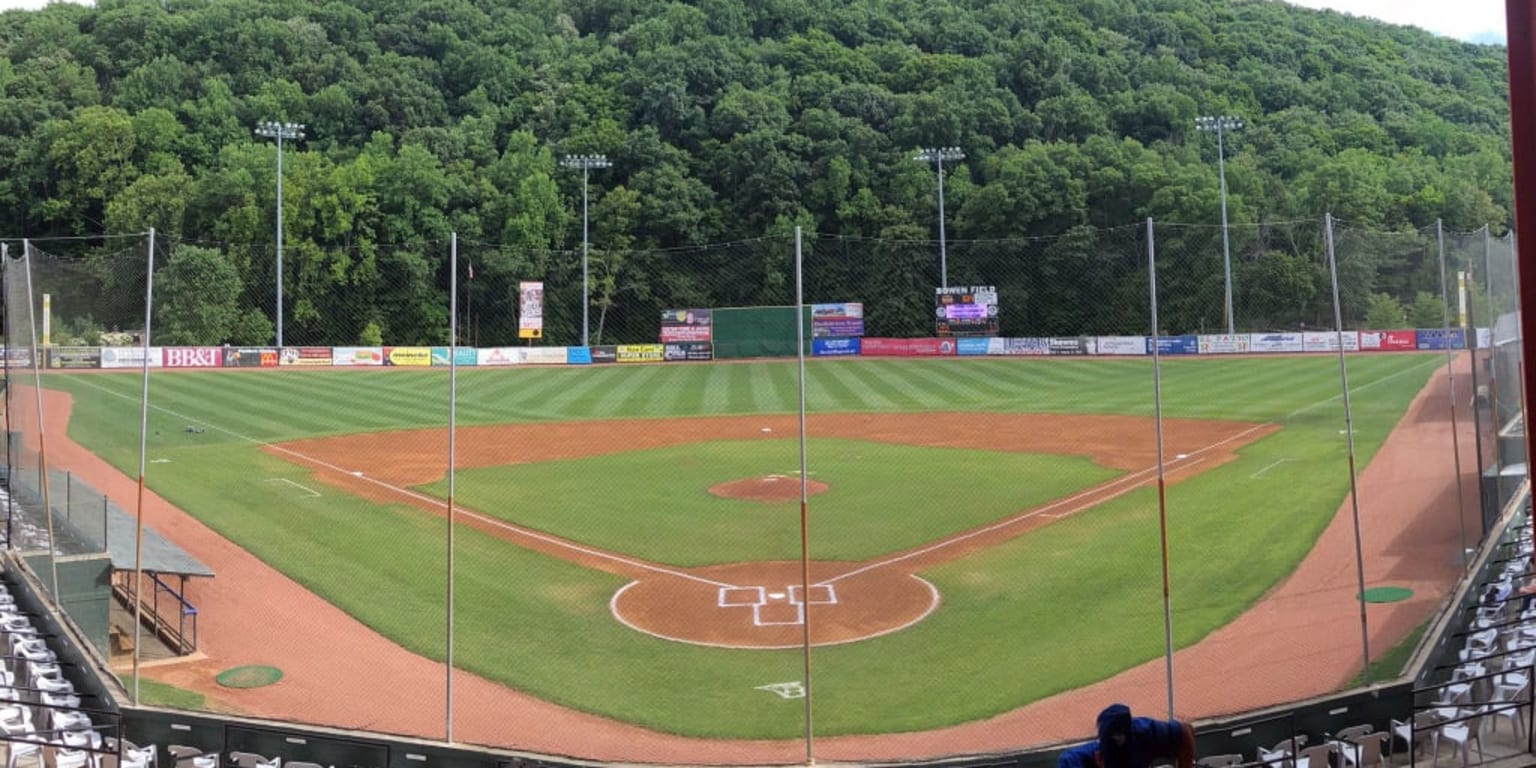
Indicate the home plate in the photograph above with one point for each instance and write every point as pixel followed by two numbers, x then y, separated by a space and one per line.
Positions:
pixel 776 595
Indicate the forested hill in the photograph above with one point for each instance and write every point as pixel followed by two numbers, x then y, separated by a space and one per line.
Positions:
pixel 730 119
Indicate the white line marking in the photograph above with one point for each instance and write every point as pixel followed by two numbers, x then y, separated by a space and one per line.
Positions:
pixel 312 492
pixel 439 503
pixel 1272 465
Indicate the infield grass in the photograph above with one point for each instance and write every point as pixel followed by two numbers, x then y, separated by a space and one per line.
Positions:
pixel 1067 604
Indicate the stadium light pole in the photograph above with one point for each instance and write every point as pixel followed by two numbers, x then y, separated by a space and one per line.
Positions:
pixel 1220 124
pixel 586 163
pixel 275 130
pixel 937 156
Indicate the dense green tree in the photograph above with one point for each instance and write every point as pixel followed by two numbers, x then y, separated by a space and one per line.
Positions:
pixel 729 121
pixel 197 298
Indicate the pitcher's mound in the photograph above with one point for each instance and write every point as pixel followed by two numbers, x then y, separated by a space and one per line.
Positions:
pixel 767 488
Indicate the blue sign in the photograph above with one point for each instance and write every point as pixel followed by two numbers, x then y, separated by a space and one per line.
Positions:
pixel 834 347
pixel 578 355
pixel 1176 345
pixel 1441 338
pixel 465 356
pixel 972 346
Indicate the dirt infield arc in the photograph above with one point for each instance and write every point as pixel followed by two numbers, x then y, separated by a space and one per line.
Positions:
pixel 766 604
pixel 332 661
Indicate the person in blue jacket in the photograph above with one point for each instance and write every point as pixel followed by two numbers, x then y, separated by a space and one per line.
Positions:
pixel 1132 742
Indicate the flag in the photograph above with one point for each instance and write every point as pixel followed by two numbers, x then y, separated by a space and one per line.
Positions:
pixel 471 265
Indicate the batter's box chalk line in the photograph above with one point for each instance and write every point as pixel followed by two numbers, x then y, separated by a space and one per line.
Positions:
pixel 790 690
pixel 731 596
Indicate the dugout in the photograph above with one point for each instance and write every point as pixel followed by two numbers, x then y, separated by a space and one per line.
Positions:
pixel 743 332
pixel 87 548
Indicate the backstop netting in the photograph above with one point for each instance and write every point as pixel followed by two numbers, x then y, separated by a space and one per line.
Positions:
pixel 457 491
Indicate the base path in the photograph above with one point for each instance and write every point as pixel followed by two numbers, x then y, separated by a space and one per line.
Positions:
pixel 333 663
pixel 765 605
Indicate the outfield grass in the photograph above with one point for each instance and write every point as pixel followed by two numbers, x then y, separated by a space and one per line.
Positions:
pixel 1067 604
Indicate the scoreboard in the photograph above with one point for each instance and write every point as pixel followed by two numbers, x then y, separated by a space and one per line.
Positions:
pixel 965 310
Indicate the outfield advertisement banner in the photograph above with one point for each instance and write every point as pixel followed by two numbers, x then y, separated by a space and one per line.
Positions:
pixel 639 353
pixel 544 355
pixel 1176 345
pixel 129 357
pixel 972 347
pixel 1328 341
pixel 1386 341
pixel 840 320
pixel 498 356
pixel 358 356
pixel 685 325
pixel 461 356
pixel 191 357
pixel 965 310
pixel 607 353
pixel 305 356
pixel 1224 344
pixel 74 357
pixel 408 357
pixel 1028 346
pixel 834 347
pixel 20 357
pixel 578 355
pixel 686 350
pixel 1121 345
pixel 250 357
pixel 1275 342
pixel 907 347
pixel 1441 338
pixel 1071 346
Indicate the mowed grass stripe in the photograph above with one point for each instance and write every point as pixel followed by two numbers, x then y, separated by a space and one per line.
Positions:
pixel 581 397
pixel 937 385
pixel 738 391
pixel 987 382
pixel 856 379
pixel 825 390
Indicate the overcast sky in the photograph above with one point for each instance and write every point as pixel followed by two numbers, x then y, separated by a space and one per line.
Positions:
pixel 1480 21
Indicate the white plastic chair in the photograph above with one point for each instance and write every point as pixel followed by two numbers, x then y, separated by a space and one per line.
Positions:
pixel 1463 733
pixel 1368 750
pixel 1423 728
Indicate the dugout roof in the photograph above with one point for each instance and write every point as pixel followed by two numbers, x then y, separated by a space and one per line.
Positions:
pixel 158 555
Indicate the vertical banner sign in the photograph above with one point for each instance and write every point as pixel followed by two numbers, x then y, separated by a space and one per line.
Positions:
pixel 965 310
pixel 47 317
pixel 678 325
pixel 530 310
pixel 1461 299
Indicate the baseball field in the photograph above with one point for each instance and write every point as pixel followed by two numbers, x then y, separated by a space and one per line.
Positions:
pixel 981 534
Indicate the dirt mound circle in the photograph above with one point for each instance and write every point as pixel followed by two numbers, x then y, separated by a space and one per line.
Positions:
pixel 766 488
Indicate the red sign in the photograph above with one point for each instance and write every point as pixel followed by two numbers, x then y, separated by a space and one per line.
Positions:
pixel 192 357
pixel 1399 340
pixel 908 347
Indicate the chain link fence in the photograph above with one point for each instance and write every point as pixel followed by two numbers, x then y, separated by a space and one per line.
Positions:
pixel 1141 481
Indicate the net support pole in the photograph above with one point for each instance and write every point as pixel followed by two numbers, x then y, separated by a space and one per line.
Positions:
pixel 1162 484
pixel 42 434
pixel 138 524
pixel 1349 442
pixel 5 363
pixel 1450 375
pixel 805 536
pixel 1474 345
pixel 453 389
